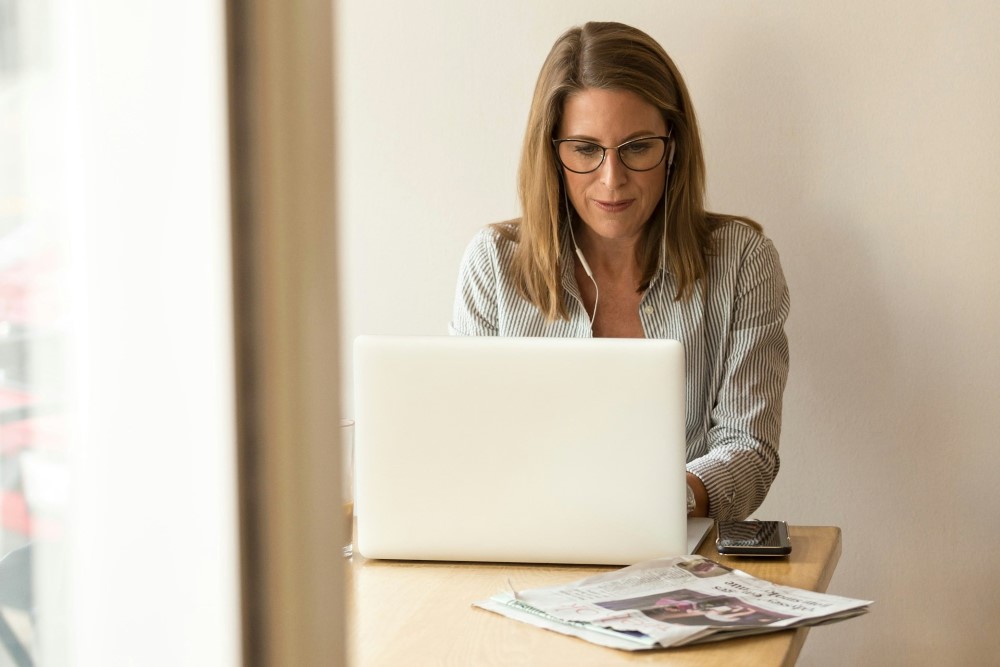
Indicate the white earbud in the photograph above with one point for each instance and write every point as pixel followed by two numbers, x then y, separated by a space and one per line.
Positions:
pixel 670 161
pixel 583 260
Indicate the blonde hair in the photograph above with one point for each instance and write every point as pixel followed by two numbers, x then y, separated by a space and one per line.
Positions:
pixel 619 57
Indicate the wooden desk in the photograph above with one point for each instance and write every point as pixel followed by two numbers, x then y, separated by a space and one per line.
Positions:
pixel 420 613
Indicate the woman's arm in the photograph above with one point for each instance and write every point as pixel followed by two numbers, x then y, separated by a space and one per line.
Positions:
pixel 742 459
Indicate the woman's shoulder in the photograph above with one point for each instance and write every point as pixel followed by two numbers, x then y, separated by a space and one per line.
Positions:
pixel 493 243
pixel 741 251
pixel 497 238
pixel 508 231
pixel 734 235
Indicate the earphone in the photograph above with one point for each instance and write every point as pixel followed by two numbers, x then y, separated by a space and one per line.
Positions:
pixel 666 193
pixel 583 260
pixel 579 253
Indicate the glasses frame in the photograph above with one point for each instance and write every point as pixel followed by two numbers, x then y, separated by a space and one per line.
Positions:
pixel 618 149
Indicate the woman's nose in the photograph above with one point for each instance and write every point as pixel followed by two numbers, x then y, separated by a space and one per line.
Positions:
pixel 613 172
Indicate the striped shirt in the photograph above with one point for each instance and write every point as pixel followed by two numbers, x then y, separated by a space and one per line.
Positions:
pixel 736 352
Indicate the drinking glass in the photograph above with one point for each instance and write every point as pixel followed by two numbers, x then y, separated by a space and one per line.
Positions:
pixel 347 482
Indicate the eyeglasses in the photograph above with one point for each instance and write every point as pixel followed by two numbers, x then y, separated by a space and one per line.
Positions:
pixel 583 157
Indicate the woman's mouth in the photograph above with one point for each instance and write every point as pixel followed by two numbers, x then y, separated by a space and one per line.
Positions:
pixel 616 206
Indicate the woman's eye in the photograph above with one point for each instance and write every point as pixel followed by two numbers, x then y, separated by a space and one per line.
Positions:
pixel 586 150
pixel 638 147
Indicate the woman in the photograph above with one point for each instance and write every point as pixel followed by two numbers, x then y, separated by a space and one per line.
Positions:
pixel 615 241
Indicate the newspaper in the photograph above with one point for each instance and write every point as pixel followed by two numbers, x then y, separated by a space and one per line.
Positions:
pixel 671 602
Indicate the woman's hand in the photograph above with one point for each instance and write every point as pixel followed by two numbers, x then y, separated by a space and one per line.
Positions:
pixel 700 496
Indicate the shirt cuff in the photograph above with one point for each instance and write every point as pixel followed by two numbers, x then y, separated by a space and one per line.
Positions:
pixel 719 485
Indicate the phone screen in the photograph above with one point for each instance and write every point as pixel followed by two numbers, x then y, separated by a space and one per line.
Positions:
pixel 753 537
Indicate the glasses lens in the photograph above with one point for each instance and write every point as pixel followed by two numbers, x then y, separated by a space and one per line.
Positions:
pixel 643 154
pixel 580 156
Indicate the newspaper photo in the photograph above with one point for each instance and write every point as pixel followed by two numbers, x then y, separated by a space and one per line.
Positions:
pixel 671 602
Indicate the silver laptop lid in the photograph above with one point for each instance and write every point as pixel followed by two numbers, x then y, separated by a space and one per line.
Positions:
pixel 519 450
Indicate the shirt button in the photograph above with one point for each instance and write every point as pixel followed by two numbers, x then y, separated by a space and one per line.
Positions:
pixel 648 310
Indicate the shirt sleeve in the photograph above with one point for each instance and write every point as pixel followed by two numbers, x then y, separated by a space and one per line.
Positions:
pixel 475 309
pixel 742 459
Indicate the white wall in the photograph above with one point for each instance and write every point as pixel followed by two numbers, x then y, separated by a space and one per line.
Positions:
pixel 865 139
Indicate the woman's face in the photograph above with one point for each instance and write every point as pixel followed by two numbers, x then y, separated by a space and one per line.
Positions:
pixel 614 202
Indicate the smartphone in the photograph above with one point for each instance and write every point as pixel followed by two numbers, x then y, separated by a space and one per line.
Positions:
pixel 753 538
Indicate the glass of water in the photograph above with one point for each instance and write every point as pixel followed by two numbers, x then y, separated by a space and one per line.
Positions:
pixel 347 483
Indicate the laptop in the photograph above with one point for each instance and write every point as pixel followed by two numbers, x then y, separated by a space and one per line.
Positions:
pixel 535 450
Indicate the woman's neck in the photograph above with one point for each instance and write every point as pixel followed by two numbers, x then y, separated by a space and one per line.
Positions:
pixel 614 259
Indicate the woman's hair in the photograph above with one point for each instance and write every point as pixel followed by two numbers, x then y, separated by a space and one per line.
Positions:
pixel 616 57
